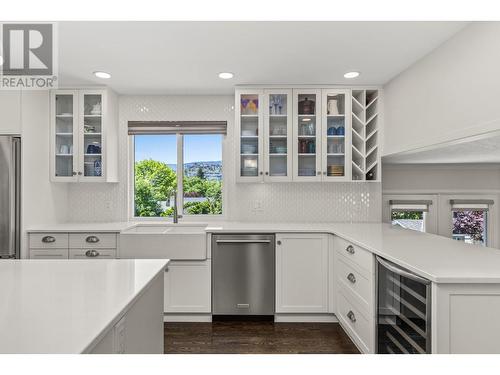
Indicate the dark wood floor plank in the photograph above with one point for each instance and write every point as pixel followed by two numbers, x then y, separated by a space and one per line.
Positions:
pixel 256 338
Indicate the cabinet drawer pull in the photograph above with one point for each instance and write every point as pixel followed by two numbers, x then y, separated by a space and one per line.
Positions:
pixel 92 253
pixel 49 239
pixel 351 316
pixel 92 239
pixel 351 278
pixel 350 249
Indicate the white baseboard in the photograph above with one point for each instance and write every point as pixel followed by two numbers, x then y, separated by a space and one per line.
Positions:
pixel 305 318
pixel 187 318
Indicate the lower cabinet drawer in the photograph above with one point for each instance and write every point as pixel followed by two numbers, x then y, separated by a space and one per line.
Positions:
pixel 358 325
pixel 92 240
pixel 354 253
pixel 49 254
pixel 92 253
pixel 48 241
pixel 356 281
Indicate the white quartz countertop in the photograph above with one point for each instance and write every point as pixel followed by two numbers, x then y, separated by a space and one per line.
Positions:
pixel 66 306
pixel 80 227
pixel 439 259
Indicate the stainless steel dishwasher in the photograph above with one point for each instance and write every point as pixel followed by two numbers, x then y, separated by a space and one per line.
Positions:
pixel 243 274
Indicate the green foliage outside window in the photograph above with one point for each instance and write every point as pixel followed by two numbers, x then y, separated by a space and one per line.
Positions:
pixel 407 215
pixel 156 182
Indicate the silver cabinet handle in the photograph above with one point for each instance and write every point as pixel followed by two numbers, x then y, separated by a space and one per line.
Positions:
pixel 92 253
pixel 48 239
pixel 351 316
pixel 74 173
pixel 351 278
pixel 243 241
pixel 350 249
pixel 267 173
pixel 398 271
pixel 261 173
pixel 324 173
pixel 318 173
pixel 80 173
pixel 92 239
pixel 278 242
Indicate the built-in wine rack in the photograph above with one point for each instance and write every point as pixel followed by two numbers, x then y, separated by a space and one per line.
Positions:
pixel 365 135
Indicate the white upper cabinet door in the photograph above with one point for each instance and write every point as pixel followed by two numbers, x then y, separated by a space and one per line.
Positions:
pixel 301 273
pixel 335 135
pixel 307 135
pixel 64 136
pixel 249 135
pixel 278 135
pixel 92 122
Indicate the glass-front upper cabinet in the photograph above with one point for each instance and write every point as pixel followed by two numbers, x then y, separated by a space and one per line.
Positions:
pixel 278 135
pixel 335 135
pixel 65 135
pixel 84 136
pixel 91 109
pixel 307 135
pixel 249 118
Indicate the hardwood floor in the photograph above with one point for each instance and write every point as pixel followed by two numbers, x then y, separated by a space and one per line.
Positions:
pixel 256 338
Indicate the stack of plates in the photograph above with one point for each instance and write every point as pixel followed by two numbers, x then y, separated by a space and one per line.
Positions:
pixel 336 170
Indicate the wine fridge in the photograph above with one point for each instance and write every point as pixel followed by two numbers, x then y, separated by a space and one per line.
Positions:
pixel 403 310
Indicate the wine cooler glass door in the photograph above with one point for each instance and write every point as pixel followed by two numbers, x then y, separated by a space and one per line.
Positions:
pixel 403 319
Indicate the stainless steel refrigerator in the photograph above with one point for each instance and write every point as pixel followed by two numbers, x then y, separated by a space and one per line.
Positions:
pixel 10 200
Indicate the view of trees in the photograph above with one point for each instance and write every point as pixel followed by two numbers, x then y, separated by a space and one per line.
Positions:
pixel 471 223
pixel 407 215
pixel 156 182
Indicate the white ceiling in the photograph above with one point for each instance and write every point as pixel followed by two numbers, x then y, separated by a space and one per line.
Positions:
pixel 185 57
pixel 481 149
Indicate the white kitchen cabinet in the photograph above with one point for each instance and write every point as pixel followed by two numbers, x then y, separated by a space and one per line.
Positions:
pixel 188 287
pixel 277 150
pixel 302 273
pixel 249 139
pixel 84 139
pixel 306 134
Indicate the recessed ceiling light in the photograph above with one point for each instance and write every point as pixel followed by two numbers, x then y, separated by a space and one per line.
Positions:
pixel 226 75
pixel 351 75
pixel 102 75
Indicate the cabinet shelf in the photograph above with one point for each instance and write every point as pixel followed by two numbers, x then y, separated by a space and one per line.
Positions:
pixel 306 154
pixel 64 116
pixel 64 155
pixel 92 154
pixel 336 154
pixel 64 134
pixel 335 136
pixel 249 116
pixel 94 116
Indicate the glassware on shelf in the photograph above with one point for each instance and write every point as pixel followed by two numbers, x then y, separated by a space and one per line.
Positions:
pixel 306 106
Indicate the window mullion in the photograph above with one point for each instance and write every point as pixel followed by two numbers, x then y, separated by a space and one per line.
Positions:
pixel 180 173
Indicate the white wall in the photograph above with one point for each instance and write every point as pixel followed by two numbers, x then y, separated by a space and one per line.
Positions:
pixel 449 94
pixel 276 202
pixel 10 112
pixel 42 202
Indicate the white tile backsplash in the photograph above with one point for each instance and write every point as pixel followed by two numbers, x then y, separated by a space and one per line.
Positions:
pixel 276 202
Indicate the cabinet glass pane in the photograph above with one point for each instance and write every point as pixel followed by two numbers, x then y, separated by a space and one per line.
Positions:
pixel 335 135
pixel 92 135
pixel 307 127
pixel 64 135
pixel 278 122
pixel 249 137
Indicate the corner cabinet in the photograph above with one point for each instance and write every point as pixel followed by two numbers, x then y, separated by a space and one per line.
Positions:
pixel 305 134
pixel 84 136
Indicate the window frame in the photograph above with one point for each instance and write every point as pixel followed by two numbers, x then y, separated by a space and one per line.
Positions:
pixel 180 185
pixel 430 217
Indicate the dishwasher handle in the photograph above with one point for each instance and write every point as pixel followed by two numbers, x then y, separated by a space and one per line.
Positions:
pixel 399 271
pixel 242 241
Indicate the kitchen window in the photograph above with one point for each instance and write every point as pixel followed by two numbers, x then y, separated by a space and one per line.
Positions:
pixel 470 220
pixel 410 214
pixel 177 159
